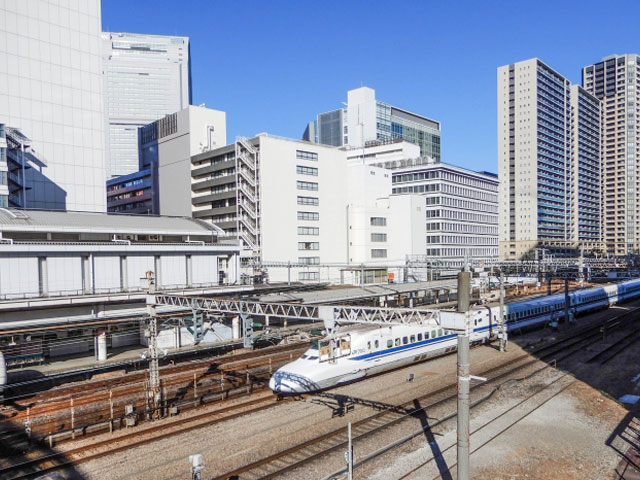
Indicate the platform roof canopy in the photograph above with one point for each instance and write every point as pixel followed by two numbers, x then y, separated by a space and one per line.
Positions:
pixel 59 221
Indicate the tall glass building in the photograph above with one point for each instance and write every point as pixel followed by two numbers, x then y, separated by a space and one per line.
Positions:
pixel 146 77
pixel 548 162
pixel 366 119
pixel 615 80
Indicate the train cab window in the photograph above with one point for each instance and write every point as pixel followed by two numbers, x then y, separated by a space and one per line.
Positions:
pixel 412 339
pixel 376 344
pixel 405 340
pixel 397 342
pixel 419 337
pixel 389 343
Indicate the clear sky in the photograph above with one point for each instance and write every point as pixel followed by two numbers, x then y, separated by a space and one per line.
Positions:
pixel 272 65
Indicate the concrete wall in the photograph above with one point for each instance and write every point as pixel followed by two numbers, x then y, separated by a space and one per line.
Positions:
pixel 51 89
pixel 194 136
pixel 279 206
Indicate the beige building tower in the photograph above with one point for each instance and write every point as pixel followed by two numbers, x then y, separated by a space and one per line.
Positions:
pixel 615 80
pixel 548 162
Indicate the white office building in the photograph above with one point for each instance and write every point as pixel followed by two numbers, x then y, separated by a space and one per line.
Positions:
pixel 51 90
pixel 145 78
pixel 365 120
pixel 329 211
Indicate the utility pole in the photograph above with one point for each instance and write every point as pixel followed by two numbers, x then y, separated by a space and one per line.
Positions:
pixel 464 285
pixel 153 394
pixel 581 268
pixel 566 300
pixel 501 322
pixel 348 455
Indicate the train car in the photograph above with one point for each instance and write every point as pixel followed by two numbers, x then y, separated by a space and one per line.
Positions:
pixel 360 351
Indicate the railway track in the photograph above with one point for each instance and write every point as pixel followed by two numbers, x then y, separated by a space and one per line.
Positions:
pixel 311 450
pixel 280 463
pixel 106 406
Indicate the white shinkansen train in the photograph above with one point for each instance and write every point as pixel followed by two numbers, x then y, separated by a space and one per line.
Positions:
pixel 364 350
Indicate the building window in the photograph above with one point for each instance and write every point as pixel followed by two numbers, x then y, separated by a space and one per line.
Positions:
pixel 308 246
pixel 3 178
pixel 307 186
pixel 302 155
pixel 378 253
pixel 309 260
pixel 306 170
pixel 378 222
pixel 4 201
pixel 308 201
pixel 378 237
pixel 302 276
pixel 313 216
pixel 308 231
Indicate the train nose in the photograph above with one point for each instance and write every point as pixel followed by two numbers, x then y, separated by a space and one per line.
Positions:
pixel 288 383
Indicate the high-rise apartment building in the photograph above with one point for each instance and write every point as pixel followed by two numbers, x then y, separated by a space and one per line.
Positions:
pixel 615 81
pixel 52 92
pixel 146 77
pixel 548 162
pixel 365 119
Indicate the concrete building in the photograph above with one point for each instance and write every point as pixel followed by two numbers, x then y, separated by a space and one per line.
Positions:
pixel 615 80
pixel 51 90
pixel 163 183
pixel 366 119
pixel 548 162
pixel 449 214
pixel 55 253
pixel 14 148
pixel 332 211
pixel 284 199
pixel 145 78
pixel 132 194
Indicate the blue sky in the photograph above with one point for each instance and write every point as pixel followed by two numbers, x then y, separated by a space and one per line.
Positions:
pixel 272 65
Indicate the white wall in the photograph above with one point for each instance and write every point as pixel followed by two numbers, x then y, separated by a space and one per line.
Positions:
pixel 175 151
pixel 406 225
pixel 173 270
pixel 107 271
pixel 64 275
pixel 204 269
pixel 361 112
pixel 51 89
pixel 137 266
pixel 279 206
pixel 19 276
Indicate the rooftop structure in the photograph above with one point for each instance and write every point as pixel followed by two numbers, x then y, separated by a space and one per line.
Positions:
pixel 365 119
pixel 53 253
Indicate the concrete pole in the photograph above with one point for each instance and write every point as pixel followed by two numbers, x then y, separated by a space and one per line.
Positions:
pixel 350 456
pixel 501 321
pixel 464 284
pixel 289 273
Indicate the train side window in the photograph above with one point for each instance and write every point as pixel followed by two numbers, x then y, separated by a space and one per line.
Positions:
pixel 405 340
pixel 433 334
pixel 397 342
pixel 412 339
pixel 389 343
pixel 377 344
pixel 475 322
pixel 369 345
pixel 419 337
pixel 439 332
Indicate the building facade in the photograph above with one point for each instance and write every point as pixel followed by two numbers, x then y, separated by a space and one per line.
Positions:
pixel 460 210
pixel 162 186
pixel 53 94
pixel 145 78
pixel 548 162
pixel 366 119
pixel 615 80
pixel 284 199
